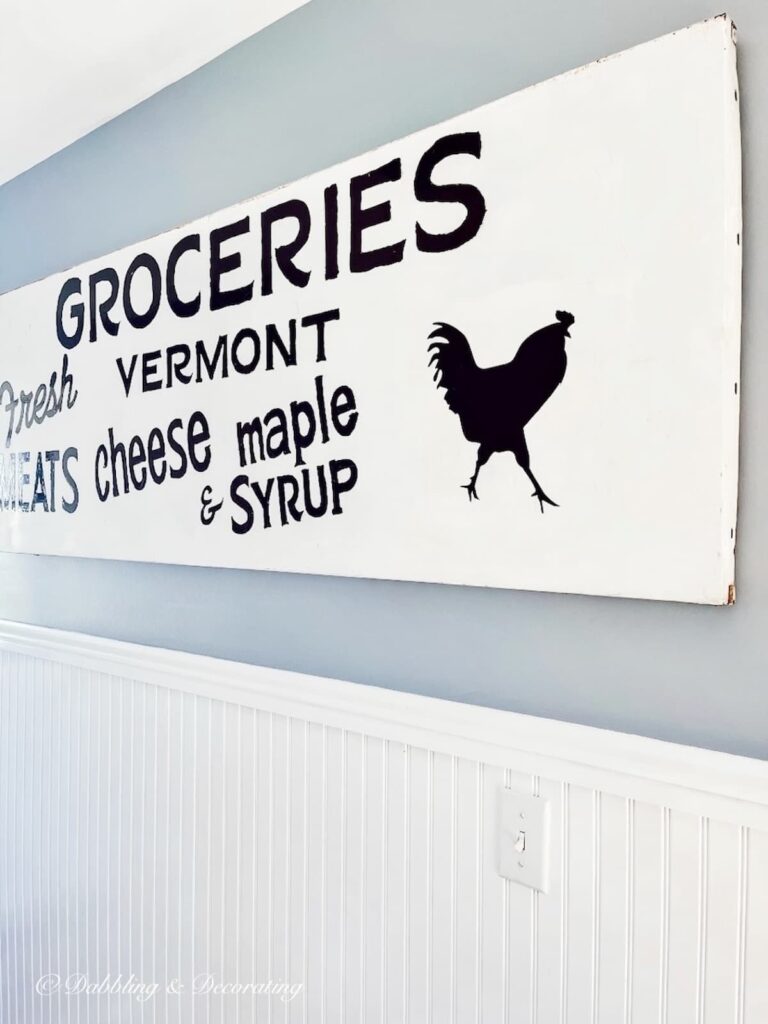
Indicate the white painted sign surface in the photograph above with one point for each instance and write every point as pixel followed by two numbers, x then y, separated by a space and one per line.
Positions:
pixel 602 207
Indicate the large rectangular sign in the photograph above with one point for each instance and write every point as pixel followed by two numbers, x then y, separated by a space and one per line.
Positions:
pixel 503 351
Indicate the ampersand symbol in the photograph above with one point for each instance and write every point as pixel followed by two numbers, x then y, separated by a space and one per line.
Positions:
pixel 208 510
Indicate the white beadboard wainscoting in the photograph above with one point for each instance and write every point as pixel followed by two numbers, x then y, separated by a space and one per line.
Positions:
pixel 166 816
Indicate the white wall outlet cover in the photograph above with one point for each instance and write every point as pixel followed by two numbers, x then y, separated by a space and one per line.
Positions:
pixel 522 839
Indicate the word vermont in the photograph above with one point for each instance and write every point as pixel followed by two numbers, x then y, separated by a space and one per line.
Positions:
pixel 240 353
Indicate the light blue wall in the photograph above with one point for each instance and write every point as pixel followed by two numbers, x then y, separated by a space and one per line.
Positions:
pixel 334 79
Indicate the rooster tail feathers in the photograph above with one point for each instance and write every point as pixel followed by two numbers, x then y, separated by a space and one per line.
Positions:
pixel 444 330
pixel 453 361
pixel 449 333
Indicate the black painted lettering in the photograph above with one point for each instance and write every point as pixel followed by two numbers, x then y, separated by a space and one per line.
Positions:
pixel 462 193
pixel 221 265
pixel 102 307
pixel 362 218
pixel 245 525
pixel 181 307
pixel 70 504
pixel 199 434
pixel 285 253
pixel 70 288
pixel 343 479
pixel 343 405
pixel 144 261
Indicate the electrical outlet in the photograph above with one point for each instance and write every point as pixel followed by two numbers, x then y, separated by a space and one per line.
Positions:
pixel 523 839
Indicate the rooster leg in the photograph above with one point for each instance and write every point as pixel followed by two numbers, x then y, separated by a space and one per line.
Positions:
pixel 538 493
pixel 524 461
pixel 483 454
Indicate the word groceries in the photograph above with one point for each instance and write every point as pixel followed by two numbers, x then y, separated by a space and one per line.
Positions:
pixel 240 259
pixel 261 257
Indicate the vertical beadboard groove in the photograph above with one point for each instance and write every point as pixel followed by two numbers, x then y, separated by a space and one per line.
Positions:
pixel 407 888
pixel 596 855
pixel 155 850
pixel 38 928
pixel 742 922
pixel 629 910
pixel 454 882
pixel 665 893
pixel 168 873
pixel 180 879
pixel 5 761
pixel 430 874
pixel 6 731
pixel 35 849
pixel 47 838
pixel 18 901
pixel 256 790
pixel 11 812
pixel 127 795
pixel 142 830
pixel 701 963
pixel 305 869
pixel 384 876
pixel 129 843
pixel 478 894
pixel 23 857
pixel 19 853
pixel 193 831
pixel 26 845
pixel 5 846
pixel 565 795
pixel 270 859
pixel 119 791
pixel 87 869
pixel 104 777
pixel 34 846
pixel 105 819
pixel 363 871
pixel 22 874
pixel 44 724
pixel 288 823
pixel 29 842
pixel 343 892
pixel 238 842
pixel 535 900
pixel 108 872
pixel 505 939
pixel 324 878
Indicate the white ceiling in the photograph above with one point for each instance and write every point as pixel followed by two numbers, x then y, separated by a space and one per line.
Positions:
pixel 67 66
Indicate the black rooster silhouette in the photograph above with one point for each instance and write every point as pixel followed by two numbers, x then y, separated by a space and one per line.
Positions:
pixel 494 404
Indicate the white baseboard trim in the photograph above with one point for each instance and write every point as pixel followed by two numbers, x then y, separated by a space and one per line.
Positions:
pixel 717 785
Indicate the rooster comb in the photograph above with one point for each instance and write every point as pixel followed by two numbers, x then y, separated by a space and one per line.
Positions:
pixel 565 317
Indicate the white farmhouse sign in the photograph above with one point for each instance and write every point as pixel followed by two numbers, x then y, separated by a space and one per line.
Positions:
pixel 503 351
